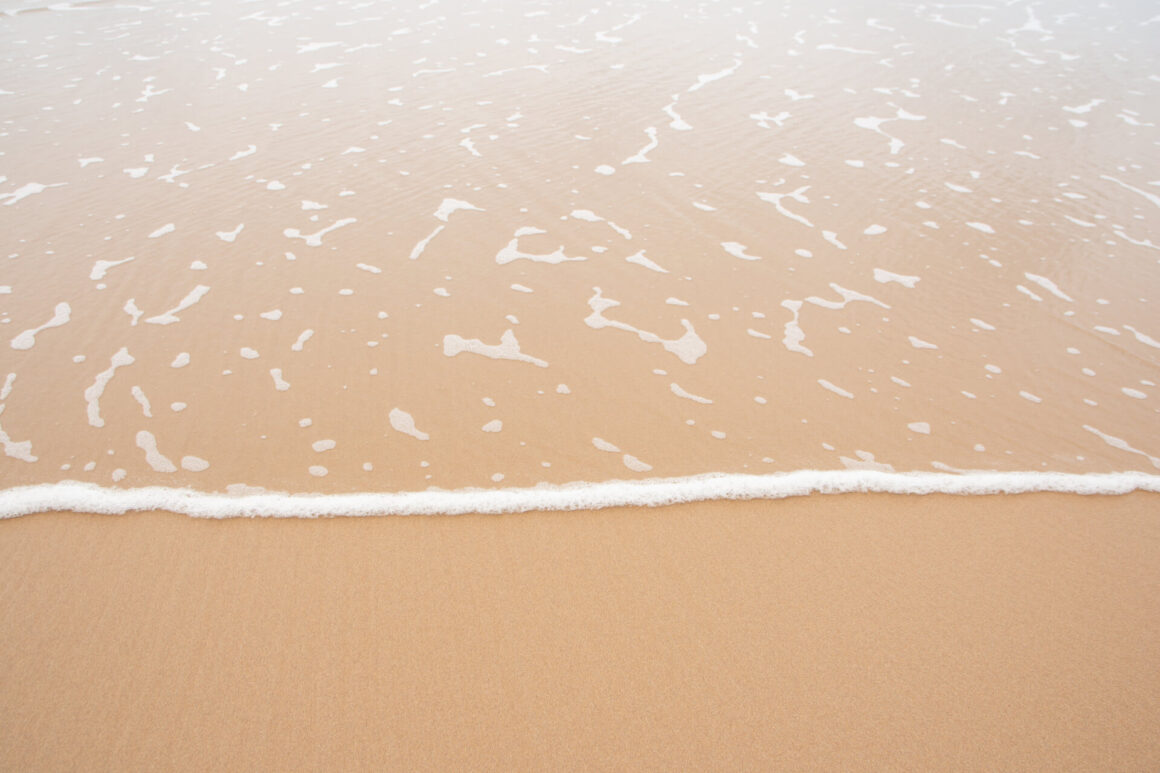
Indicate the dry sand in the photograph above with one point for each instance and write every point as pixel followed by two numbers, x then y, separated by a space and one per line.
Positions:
pixel 830 633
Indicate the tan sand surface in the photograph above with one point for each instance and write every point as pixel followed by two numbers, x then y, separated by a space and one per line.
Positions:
pixel 824 633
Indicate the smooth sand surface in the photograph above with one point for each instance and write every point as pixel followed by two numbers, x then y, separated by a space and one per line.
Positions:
pixel 864 632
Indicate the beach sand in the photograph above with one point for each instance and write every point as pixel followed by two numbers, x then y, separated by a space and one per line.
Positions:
pixel 855 632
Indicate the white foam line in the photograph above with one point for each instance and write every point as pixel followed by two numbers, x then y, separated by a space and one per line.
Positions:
pixel 169 317
pixel 641 156
pixel 61 314
pixel 417 250
pixel 656 492
pixel 1152 197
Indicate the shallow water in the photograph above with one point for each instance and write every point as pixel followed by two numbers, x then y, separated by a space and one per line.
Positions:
pixel 361 246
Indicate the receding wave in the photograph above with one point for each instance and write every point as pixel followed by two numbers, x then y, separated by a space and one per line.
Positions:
pixel 85 497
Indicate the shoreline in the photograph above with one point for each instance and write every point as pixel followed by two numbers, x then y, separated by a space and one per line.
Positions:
pixel 580 495
pixel 860 632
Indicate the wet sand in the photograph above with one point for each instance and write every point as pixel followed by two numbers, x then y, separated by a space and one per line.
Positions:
pixel 371 247
pixel 822 633
pixel 895 236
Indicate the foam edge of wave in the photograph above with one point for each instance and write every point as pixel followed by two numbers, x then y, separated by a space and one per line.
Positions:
pixel 655 492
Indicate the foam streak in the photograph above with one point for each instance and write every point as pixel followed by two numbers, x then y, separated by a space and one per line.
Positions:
pixel 657 492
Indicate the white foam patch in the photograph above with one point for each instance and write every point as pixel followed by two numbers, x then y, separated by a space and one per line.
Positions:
pixel 641 156
pixel 1143 338
pixel 884 277
pixel 168 228
pixel 134 313
pixel 303 337
pixel 508 348
pixel 495 425
pixel 794 335
pixel 60 316
pixel 655 492
pixel 676 389
pixel 738 250
pixel 154 458
pixel 832 238
pixel 835 389
pixel 94 392
pixel 848 296
pixel 921 427
pixel 230 236
pixel 194 463
pixel 640 260
pixel 279 383
pixel 918 343
pixel 1050 286
pixel 454 205
pixel 16 449
pixel 169 317
pixel 401 421
pixel 25 191
pixel 512 250
pixel 798 195
pixel 688 348
pixel 634 464
pixel 1122 445
pixel 702 80
pixel 143 401
pixel 315 239
pixel 101 267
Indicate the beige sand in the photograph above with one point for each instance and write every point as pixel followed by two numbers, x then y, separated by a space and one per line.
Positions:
pixel 829 633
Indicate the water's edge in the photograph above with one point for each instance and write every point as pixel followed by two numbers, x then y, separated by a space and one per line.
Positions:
pixel 89 498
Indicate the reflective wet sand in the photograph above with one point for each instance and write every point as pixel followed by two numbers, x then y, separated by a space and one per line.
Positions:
pixel 571 244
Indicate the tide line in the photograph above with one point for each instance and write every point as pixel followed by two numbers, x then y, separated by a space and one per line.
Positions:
pixel 656 492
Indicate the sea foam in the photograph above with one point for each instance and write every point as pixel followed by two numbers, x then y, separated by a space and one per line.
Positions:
pixel 656 492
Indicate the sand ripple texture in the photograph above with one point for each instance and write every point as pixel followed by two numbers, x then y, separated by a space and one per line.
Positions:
pixel 389 246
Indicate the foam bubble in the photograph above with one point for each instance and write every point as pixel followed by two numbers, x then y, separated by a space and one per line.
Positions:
pixel 60 316
pixel 154 458
pixel 94 392
pixel 169 317
pixel 403 422
pixel 280 383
